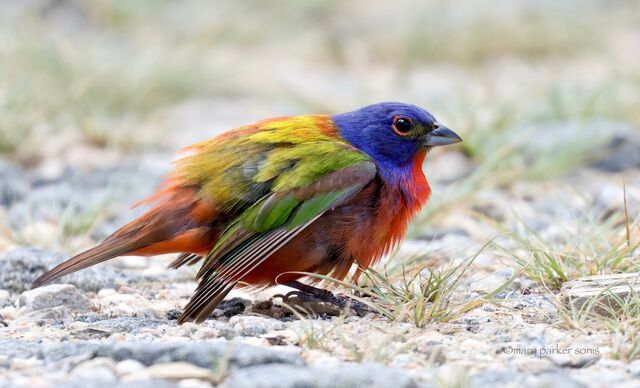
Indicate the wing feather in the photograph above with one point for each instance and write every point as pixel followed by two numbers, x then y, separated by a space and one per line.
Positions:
pixel 258 233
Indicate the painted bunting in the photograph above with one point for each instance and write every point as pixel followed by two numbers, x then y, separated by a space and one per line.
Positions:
pixel 264 203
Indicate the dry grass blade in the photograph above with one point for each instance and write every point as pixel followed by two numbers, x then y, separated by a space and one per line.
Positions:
pixel 415 293
pixel 627 222
pixel 591 247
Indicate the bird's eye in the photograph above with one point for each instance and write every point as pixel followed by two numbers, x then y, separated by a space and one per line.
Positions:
pixel 402 125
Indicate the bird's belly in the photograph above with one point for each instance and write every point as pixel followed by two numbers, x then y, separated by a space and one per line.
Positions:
pixel 362 231
pixel 302 254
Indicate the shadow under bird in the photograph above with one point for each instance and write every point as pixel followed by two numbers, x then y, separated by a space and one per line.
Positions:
pixel 264 203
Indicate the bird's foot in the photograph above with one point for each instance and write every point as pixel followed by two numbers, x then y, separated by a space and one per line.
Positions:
pixel 308 294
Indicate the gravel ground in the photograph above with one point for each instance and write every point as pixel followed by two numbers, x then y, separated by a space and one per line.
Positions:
pixel 96 97
pixel 115 324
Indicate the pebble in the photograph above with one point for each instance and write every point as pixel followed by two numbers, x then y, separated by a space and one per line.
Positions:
pixel 5 296
pixel 250 326
pixel 350 375
pixel 574 361
pixel 24 363
pixel 127 367
pixel 98 369
pixel 99 373
pixel 633 368
pixel 52 296
pixel 198 353
pixel 193 383
pixel 58 313
pixel 179 371
pixel 8 313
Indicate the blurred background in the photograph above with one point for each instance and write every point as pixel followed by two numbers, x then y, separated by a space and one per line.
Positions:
pixel 97 96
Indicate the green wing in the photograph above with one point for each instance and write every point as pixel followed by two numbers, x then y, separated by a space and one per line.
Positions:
pixel 300 193
pixel 241 167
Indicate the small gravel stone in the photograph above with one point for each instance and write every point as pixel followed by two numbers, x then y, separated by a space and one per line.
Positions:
pixel 286 376
pixel 558 378
pixel 574 362
pixel 193 383
pixel 128 367
pixel 5 297
pixel 8 313
pixel 126 324
pixel 250 326
pixel 54 295
pixel 146 383
pixel 99 375
pixel 179 371
pixel 634 368
pixel 231 307
pixel 173 314
pixel 24 363
pixel 59 313
pixel 199 354
pixel 100 368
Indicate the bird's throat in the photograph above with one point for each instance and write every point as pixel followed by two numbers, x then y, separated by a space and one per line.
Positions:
pixel 408 183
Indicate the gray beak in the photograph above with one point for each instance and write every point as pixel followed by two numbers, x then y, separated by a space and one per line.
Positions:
pixel 441 136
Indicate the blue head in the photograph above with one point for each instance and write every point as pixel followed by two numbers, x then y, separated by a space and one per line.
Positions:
pixel 393 133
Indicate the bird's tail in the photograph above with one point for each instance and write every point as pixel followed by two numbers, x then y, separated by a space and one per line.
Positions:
pixel 93 256
pixel 180 222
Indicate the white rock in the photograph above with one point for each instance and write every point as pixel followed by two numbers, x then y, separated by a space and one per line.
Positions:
pixel 24 363
pixel 193 383
pixel 105 362
pixel 106 292
pixel 59 313
pixel 100 373
pixel 178 371
pixel 128 367
pixel 8 313
pixel 53 295
pixel 119 298
pixel 634 368
pixel 122 309
pixel 100 368
pixel 250 326
pixel 4 296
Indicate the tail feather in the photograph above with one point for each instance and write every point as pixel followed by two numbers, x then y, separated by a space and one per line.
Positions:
pixel 133 237
pixel 178 224
pixel 93 256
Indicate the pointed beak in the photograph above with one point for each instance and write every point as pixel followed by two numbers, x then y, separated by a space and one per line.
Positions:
pixel 441 136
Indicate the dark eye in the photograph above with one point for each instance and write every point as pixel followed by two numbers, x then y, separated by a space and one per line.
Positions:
pixel 402 125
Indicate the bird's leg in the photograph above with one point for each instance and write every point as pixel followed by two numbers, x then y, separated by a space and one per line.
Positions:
pixel 309 293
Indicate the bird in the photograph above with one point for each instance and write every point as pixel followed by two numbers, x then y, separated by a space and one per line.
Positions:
pixel 271 202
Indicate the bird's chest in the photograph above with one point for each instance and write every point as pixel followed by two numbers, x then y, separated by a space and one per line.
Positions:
pixel 383 223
